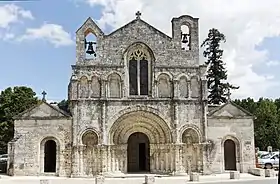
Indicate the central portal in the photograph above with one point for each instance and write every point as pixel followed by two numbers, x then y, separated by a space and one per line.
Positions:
pixel 138 153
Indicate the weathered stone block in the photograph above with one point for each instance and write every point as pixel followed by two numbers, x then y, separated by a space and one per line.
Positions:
pixel 270 173
pixel 44 182
pixel 149 179
pixel 258 172
pixel 99 180
pixel 234 175
pixel 194 177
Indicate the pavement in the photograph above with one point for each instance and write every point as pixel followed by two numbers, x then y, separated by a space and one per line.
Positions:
pixel 139 179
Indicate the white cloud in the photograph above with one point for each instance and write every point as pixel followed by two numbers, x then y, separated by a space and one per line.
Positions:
pixel 53 33
pixel 273 63
pixel 245 23
pixel 11 14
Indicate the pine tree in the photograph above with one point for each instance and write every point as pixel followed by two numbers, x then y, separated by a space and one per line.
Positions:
pixel 217 74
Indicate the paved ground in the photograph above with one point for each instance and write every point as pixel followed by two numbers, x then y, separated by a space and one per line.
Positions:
pixel 214 179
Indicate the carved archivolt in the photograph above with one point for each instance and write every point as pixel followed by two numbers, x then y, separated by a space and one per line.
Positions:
pixel 140 121
pixel 89 139
pixel 190 136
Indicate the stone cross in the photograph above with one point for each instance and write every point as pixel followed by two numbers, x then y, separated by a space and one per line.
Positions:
pixel 228 94
pixel 44 96
pixel 138 14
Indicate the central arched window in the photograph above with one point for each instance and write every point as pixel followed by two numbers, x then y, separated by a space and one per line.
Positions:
pixel 139 72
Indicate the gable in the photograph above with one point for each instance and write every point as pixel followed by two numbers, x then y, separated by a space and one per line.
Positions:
pixel 144 29
pixel 229 110
pixel 43 111
pixel 90 24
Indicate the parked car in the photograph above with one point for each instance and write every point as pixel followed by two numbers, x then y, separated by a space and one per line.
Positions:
pixel 269 161
pixel 3 163
pixel 261 153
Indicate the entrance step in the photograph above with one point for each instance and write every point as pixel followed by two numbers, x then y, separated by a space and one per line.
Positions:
pixel 140 175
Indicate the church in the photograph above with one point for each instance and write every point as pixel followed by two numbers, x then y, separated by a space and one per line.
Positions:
pixel 138 102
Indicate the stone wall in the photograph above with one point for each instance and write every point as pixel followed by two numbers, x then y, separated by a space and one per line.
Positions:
pixel 174 105
pixel 111 48
pixel 28 158
pixel 241 131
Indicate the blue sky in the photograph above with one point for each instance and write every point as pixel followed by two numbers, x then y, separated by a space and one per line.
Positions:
pixel 38 63
pixel 251 52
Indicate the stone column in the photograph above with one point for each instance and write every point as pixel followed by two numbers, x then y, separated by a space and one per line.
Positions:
pixel 122 88
pixel 158 161
pixel 103 150
pixel 206 163
pixel 155 89
pixel 189 89
pixel 104 124
pixel 178 160
pixel 103 88
pixel 176 122
pixel 113 159
pixel 106 88
pixel 89 90
pixel 81 159
pixel 75 162
pixel 109 168
pixel 204 89
pixel 152 158
pixel 176 89
pixel 123 158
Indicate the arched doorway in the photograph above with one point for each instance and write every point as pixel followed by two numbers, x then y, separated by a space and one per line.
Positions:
pixel 50 156
pixel 230 155
pixel 138 153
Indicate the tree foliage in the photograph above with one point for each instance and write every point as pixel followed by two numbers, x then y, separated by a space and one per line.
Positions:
pixel 12 102
pixel 64 105
pixel 267 121
pixel 217 74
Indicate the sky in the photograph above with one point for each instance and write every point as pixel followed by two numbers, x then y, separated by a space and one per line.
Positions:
pixel 37 38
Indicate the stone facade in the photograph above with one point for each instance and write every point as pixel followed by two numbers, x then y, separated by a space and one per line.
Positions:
pixel 140 105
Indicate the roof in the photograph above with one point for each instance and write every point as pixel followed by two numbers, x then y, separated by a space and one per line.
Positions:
pixel 216 110
pixel 27 114
pixel 145 23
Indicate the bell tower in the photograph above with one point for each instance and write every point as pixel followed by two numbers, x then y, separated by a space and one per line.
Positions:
pixel 88 43
pixel 185 36
pixel 88 39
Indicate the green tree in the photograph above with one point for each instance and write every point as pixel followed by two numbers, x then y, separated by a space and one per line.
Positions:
pixel 248 104
pixel 217 74
pixel 12 102
pixel 64 105
pixel 267 125
pixel 277 103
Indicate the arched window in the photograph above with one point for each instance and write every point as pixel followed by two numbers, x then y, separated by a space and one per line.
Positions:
pixel 139 71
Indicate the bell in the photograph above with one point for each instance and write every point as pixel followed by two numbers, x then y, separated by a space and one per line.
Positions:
pixel 185 38
pixel 90 50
